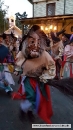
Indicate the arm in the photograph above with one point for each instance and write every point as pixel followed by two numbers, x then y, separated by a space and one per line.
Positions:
pixel 50 71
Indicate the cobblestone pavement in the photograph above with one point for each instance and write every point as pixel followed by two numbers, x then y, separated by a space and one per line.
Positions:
pixel 9 109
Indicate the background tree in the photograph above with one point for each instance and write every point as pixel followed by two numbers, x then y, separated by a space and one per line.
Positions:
pixel 21 16
pixel 3 20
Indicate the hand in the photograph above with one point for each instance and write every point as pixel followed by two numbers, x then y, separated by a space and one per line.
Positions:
pixel 16 73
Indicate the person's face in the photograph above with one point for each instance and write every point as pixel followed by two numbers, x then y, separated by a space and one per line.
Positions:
pixel 64 38
pixel 7 40
pixel 71 44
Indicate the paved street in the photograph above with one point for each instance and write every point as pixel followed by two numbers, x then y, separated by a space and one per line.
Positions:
pixel 62 107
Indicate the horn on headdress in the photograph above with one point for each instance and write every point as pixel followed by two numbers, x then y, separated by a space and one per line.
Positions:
pixel 60 32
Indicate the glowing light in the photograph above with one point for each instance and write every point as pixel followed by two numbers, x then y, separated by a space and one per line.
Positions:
pixel 51 27
pixel 55 27
pixel 46 28
pixel 42 28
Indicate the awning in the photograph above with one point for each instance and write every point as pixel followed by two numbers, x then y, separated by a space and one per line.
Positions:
pixel 39 20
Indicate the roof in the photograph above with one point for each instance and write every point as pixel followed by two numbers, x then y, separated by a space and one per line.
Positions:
pixel 39 20
pixel 15 28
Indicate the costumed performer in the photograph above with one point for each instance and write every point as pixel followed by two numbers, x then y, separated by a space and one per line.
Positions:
pixel 37 65
pixel 5 77
pixel 67 65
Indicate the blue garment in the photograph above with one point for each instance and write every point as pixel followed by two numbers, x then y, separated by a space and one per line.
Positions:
pixel 3 53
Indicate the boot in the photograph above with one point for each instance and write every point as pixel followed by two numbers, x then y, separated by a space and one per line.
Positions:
pixel 30 116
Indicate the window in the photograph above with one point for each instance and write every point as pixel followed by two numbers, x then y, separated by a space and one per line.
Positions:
pixel 50 9
pixel 12 20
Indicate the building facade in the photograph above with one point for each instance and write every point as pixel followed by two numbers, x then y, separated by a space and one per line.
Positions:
pixel 55 13
pixel 43 8
pixel 13 28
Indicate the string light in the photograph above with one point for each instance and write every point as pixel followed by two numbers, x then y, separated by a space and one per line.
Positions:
pixel 55 28
pixel 46 28
pixel 42 28
pixel 51 27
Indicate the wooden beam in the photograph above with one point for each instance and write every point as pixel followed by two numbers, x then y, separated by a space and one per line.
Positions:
pixel 38 20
